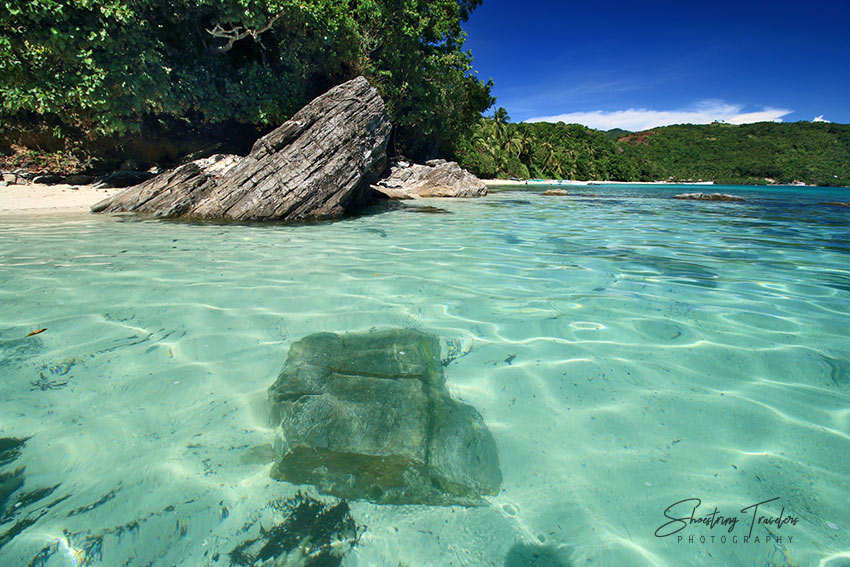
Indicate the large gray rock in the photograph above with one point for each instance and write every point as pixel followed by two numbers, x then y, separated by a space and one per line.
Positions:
pixel 318 164
pixel 437 178
pixel 367 416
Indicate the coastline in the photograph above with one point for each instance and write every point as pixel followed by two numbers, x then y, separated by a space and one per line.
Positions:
pixel 511 182
pixel 36 198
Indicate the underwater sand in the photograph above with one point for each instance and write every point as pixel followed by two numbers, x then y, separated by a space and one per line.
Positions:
pixel 627 351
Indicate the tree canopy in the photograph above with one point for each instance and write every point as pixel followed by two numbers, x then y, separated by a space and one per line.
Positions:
pixel 95 68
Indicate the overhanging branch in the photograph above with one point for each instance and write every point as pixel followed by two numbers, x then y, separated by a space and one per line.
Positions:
pixel 236 33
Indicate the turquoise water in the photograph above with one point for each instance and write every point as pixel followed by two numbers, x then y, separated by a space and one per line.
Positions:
pixel 628 351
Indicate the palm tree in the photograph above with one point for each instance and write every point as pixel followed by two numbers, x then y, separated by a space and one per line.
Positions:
pixel 483 136
pixel 500 121
pixel 559 170
pixel 526 142
pixel 570 167
pixel 549 160
pixel 515 143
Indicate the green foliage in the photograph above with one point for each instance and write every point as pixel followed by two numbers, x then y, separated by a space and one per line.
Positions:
pixel 104 67
pixel 814 153
pixel 552 151
pixel 101 66
pixel 766 152
pixel 412 51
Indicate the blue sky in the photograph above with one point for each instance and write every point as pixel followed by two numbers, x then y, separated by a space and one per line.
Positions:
pixel 646 63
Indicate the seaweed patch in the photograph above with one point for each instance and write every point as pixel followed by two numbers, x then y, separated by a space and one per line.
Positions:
pixel 15 503
pixel 10 449
pixel 311 533
pixel 106 498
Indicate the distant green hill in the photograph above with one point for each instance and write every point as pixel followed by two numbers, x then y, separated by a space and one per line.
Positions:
pixel 766 152
pixel 616 133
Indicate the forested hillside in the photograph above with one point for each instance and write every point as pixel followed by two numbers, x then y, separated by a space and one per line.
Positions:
pixel 767 152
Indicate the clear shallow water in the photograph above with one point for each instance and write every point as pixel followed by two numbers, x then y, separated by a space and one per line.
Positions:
pixel 627 351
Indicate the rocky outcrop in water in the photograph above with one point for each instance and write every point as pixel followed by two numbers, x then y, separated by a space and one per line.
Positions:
pixel 556 192
pixel 367 416
pixel 437 178
pixel 318 164
pixel 708 197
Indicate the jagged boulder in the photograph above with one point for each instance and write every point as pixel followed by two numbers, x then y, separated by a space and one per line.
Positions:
pixel 318 164
pixel 367 416
pixel 437 178
pixel 708 197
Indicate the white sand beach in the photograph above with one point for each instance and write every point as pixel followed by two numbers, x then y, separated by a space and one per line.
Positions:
pixel 37 198
pixel 503 182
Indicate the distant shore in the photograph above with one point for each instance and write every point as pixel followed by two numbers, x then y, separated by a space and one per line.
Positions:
pixel 36 198
pixel 504 182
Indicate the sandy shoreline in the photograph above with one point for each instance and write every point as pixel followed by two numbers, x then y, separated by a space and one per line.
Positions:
pixel 48 199
pixel 40 199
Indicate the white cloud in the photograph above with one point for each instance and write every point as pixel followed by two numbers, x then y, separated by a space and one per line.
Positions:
pixel 820 119
pixel 637 119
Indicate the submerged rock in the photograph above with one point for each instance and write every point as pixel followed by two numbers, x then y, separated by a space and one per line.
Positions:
pixel 368 416
pixel 556 192
pixel 427 210
pixel 318 164
pixel 708 197
pixel 437 178
pixel 835 204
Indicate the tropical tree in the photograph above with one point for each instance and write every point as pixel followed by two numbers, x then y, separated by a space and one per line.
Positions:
pixel 500 123
pixel 96 68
